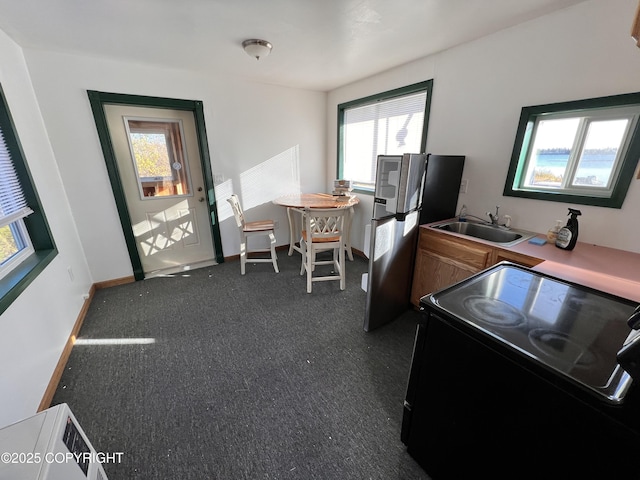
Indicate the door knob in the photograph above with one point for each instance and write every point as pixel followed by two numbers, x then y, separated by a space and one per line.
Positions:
pixel 201 199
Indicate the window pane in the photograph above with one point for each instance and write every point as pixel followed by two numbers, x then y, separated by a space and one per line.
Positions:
pixel 549 156
pixel 599 153
pixel 159 158
pixel 390 127
pixel 359 154
pixel 583 152
pixel 152 157
pixel 8 245
pixel 14 241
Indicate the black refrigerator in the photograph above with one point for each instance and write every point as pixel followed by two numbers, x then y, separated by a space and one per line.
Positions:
pixel 410 190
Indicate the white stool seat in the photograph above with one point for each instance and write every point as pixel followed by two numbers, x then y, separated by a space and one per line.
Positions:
pixel 249 229
pixel 323 230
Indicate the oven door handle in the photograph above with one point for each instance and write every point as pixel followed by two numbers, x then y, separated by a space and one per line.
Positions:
pixel 634 319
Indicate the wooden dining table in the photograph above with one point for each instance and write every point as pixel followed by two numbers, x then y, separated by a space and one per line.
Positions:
pixel 296 203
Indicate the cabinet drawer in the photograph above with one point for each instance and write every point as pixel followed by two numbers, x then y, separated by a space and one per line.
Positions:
pixel 469 253
pixel 525 260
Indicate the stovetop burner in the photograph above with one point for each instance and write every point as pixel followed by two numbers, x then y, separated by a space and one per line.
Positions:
pixel 561 350
pixel 493 311
pixel 594 307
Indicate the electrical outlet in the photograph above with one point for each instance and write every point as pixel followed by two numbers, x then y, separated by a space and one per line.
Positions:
pixel 464 184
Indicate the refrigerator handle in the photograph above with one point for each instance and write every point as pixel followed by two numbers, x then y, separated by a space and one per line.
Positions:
pixel 422 182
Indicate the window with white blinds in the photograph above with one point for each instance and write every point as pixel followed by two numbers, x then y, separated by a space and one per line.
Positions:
pixel 26 243
pixel 15 244
pixel 391 123
pixel 13 205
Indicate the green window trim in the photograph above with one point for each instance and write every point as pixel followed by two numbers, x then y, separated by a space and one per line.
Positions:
pixel 20 277
pixel 16 281
pixel 426 86
pixel 524 137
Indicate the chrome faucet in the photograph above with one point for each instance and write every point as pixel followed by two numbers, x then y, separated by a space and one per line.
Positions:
pixel 494 218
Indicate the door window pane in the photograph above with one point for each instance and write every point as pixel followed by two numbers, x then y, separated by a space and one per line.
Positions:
pixel 159 157
pixel 151 155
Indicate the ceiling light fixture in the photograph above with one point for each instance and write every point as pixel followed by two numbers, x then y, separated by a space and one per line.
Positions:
pixel 257 48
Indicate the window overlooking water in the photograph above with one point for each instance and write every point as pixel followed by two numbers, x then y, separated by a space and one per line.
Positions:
pixel 577 152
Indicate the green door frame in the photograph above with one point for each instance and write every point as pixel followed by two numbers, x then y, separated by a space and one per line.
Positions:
pixel 98 100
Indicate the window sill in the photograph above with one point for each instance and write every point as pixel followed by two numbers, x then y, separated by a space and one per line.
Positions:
pixel 363 190
pixel 15 282
pixel 612 202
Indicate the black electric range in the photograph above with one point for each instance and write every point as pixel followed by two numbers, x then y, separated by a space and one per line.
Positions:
pixel 519 363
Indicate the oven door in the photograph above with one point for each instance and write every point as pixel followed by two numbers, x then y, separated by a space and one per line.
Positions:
pixel 412 384
pixel 479 408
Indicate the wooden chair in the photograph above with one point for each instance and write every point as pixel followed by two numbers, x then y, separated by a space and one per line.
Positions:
pixel 323 231
pixel 251 229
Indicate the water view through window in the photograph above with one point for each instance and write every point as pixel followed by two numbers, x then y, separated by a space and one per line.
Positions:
pixel 580 151
pixel 558 158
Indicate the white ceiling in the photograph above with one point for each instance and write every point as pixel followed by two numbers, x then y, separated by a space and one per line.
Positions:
pixel 317 44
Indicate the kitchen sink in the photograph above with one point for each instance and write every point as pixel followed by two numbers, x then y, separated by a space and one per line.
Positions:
pixel 491 233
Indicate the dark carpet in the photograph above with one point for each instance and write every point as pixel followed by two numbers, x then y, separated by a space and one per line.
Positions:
pixel 249 377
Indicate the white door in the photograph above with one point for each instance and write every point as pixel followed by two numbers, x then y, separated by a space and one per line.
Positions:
pixel 158 160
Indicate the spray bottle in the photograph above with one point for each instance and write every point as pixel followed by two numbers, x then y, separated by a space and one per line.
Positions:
pixel 568 235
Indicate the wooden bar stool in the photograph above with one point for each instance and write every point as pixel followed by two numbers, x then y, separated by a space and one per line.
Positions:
pixel 251 229
pixel 323 230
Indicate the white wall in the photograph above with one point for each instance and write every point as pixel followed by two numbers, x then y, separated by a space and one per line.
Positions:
pixel 480 88
pixel 34 329
pixel 255 133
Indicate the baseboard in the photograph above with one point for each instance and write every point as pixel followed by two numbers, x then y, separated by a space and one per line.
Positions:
pixel 66 351
pixel 114 282
pixel 47 398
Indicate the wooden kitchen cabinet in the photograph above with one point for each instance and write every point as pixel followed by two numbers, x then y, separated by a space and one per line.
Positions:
pixel 442 260
pixel 500 255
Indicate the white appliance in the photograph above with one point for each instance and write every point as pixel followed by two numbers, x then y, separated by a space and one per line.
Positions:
pixel 48 446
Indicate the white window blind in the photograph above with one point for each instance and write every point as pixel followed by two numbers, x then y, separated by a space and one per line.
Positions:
pixel 386 127
pixel 13 205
